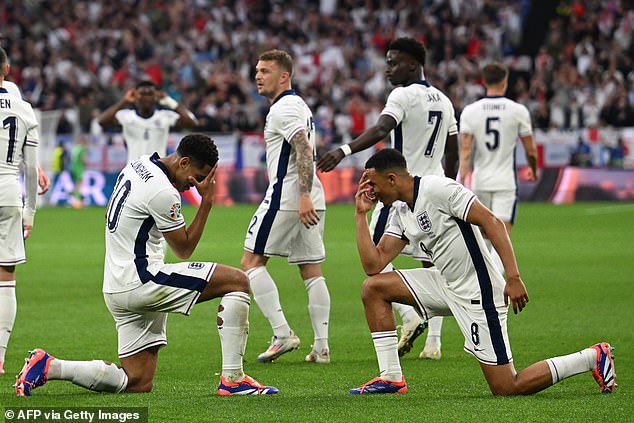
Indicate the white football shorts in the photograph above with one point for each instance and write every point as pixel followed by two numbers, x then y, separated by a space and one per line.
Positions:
pixel 280 233
pixel 484 328
pixel 503 204
pixel 141 314
pixel 11 236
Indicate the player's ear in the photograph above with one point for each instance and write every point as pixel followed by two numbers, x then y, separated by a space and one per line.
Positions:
pixel 184 162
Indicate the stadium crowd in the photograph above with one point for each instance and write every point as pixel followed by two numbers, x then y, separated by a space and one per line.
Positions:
pixel 81 56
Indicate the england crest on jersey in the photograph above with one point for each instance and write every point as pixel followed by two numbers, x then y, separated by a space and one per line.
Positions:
pixel 424 222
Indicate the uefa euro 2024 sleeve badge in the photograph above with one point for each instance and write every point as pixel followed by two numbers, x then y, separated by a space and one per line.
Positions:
pixel 424 222
pixel 175 211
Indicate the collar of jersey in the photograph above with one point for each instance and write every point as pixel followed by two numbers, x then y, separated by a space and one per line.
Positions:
pixel 416 189
pixel 142 117
pixel 4 90
pixel 154 158
pixel 419 82
pixel 287 92
pixel 494 96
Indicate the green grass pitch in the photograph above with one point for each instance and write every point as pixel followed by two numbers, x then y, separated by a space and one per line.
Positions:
pixel 577 262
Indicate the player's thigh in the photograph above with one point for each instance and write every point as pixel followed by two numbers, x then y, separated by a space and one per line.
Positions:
pixel 11 236
pixel 137 331
pixel 225 279
pixel 485 332
pixel 425 287
pixel 307 245
pixel 386 286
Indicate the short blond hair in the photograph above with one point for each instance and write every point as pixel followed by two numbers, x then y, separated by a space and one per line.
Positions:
pixel 281 57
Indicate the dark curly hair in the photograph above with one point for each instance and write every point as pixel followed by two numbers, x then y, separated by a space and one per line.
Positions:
pixel 413 47
pixel 387 159
pixel 200 149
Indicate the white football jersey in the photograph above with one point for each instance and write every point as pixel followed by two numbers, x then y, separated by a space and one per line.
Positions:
pixel 143 205
pixel 288 115
pixel 146 136
pixel 19 139
pixel 424 117
pixel 495 123
pixel 438 226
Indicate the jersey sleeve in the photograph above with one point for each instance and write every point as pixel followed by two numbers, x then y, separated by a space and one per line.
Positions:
pixel 395 227
pixel 452 129
pixel 465 124
pixel 165 209
pixel 524 121
pixel 170 117
pixel 123 116
pixel 451 197
pixel 288 120
pixel 396 104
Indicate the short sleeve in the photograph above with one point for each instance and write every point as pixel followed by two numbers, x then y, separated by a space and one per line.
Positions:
pixel 169 117
pixel 288 120
pixel 451 196
pixel 465 124
pixel 395 104
pixel 524 119
pixel 165 209
pixel 123 116
pixel 396 228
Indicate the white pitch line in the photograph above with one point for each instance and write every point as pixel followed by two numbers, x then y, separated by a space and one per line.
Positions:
pixel 611 209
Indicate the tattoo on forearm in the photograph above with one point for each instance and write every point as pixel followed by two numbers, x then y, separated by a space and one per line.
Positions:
pixel 304 160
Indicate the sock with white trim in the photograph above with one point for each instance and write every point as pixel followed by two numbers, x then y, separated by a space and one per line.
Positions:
pixel 233 328
pixel 319 310
pixel 8 309
pixel 95 375
pixel 386 347
pixel 267 298
pixel 569 365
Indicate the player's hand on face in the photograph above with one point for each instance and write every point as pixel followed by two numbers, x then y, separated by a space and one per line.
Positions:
pixel 307 213
pixel 516 291
pixel 330 160
pixel 130 96
pixel 364 198
pixel 207 187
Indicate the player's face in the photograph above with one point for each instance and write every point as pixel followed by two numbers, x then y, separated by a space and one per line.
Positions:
pixel 398 70
pixel 382 185
pixel 268 76
pixel 186 168
pixel 146 97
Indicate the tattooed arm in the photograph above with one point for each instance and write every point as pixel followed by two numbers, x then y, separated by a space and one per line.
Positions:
pixel 304 160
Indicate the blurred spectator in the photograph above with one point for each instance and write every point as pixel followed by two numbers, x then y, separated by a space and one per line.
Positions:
pixel 82 56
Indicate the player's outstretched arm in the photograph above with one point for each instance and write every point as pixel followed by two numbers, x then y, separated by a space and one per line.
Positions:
pixel 466 149
pixel 367 139
pixel 107 119
pixel 374 258
pixel 495 230
pixel 184 240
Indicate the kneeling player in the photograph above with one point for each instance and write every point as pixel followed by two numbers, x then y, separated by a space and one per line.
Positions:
pixel 438 215
pixel 140 289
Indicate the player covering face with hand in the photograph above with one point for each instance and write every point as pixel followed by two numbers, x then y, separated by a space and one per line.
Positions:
pixel 140 289
pixel 443 217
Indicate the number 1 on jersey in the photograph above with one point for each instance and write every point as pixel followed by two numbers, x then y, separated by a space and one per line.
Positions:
pixel 12 124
